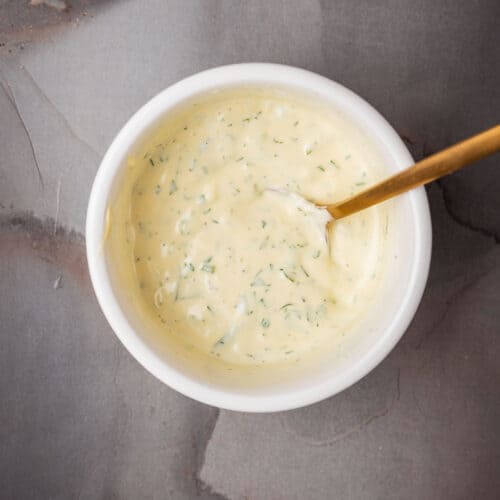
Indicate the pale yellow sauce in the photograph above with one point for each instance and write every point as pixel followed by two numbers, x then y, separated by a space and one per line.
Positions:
pixel 227 254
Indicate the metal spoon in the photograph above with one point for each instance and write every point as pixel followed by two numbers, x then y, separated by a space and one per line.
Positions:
pixel 431 168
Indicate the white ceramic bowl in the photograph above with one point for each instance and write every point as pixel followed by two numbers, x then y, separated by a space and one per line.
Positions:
pixel 398 301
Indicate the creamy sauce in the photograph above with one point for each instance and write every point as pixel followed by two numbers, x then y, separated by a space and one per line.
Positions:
pixel 228 256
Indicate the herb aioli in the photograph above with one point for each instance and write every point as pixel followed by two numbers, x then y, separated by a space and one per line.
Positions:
pixel 228 262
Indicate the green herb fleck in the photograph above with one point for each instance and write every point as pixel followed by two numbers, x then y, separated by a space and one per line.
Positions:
pixel 277 141
pixel 321 168
pixel 316 254
pixel 157 189
pixel 308 151
pixel 333 164
pixel 265 323
pixel 360 183
pixel 215 221
pixel 287 276
pixel 296 123
pixel 173 187
pixel 263 223
pixel 207 266
pixel 240 158
pixel 286 305
pixel 152 162
pixel 221 341
pixel 304 271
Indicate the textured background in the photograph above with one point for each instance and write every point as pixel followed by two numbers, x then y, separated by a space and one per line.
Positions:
pixel 79 418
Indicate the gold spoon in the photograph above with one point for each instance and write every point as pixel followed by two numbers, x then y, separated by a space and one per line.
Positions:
pixel 431 168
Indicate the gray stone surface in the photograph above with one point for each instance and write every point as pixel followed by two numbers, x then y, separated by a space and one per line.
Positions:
pixel 79 417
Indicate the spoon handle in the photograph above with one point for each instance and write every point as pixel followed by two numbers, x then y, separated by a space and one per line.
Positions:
pixel 438 165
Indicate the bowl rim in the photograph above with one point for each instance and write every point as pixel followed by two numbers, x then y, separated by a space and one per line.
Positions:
pixel 242 74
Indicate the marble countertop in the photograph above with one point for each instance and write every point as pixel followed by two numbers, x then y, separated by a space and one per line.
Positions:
pixel 81 419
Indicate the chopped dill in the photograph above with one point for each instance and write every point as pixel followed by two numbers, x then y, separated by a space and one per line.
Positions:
pixel 207 266
pixel 287 276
